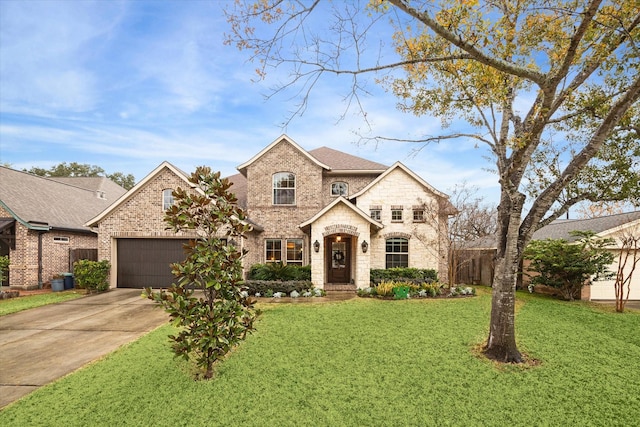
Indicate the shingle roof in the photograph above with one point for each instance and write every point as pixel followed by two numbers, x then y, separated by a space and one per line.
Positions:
pixel 100 183
pixel 561 228
pixel 339 160
pixel 38 200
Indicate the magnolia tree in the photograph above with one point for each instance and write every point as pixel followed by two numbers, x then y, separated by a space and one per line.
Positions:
pixel 219 317
pixel 528 77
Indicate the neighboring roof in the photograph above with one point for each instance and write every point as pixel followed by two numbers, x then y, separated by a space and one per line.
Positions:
pixel 43 203
pixel 243 167
pixel 97 183
pixel 561 228
pixel 339 161
pixel 398 165
pixel 351 206
pixel 129 194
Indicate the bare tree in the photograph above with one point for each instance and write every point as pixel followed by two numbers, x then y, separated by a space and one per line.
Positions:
pixel 628 260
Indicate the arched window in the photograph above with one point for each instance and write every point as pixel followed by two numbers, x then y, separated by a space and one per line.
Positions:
pixel 397 252
pixel 167 198
pixel 339 189
pixel 284 188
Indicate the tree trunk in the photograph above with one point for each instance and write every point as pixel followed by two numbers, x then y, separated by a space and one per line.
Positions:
pixel 501 345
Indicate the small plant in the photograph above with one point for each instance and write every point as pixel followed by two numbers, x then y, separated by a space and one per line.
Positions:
pixel 307 294
pixel 4 267
pixel 269 293
pixel 277 294
pixel 294 294
pixel 91 275
pixel 385 289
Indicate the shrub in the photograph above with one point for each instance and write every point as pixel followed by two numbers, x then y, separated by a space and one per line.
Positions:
pixel 4 266
pixel 401 274
pixel 91 275
pixel 279 271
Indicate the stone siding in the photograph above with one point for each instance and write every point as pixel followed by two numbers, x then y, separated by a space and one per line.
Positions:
pixel 426 244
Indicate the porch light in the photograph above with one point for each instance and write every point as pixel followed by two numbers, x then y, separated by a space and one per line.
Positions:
pixel 365 246
pixel 316 246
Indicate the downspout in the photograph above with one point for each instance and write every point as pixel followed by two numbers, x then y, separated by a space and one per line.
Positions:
pixel 40 233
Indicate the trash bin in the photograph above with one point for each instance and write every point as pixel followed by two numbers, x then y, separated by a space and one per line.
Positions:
pixel 68 281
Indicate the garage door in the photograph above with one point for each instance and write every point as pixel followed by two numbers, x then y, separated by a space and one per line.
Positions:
pixel 145 262
pixel 604 290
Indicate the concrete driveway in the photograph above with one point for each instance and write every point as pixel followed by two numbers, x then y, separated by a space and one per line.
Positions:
pixel 40 345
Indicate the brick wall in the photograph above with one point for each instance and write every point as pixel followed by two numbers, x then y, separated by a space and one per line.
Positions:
pixel 281 222
pixel 24 263
pixel 141 215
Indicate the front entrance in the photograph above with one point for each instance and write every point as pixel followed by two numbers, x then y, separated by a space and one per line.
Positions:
pixel 338 256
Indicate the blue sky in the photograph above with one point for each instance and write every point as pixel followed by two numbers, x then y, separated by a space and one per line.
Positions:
pixel 127 85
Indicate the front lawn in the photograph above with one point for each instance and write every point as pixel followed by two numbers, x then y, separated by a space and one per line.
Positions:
pixel 368 362
pixel 13 305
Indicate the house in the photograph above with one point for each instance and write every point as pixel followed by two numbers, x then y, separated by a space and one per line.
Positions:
pixel 477 256
pixel 341 214
pixel 42 222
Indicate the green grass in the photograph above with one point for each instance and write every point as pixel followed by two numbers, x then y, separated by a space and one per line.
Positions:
pixel 368 362
pixel 13 305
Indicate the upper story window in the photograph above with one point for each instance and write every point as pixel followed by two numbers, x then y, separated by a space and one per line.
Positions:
pixel 418 215
pixel 284 188
pixel 167 198
pixel 396 213
pixel 339 189
pixel 375 212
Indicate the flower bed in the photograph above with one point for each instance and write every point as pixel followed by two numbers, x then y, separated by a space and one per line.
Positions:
pixel 407 290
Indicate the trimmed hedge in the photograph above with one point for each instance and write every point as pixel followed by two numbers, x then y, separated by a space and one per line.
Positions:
pixel 400 274
pixel 286 287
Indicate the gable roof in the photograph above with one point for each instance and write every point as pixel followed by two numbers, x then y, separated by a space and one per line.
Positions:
pixel 129 194
pixel 243 167
pixel 340 161
pixel 239 188
pixel 97 183
pixel 351 206
pixel 43 203
pixel 398 165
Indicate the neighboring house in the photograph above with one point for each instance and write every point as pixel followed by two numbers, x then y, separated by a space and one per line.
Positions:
pixel 42 222
pixel 339 213
pixel 477 256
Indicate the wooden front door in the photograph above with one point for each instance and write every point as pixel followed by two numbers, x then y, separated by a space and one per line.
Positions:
pixel 338 258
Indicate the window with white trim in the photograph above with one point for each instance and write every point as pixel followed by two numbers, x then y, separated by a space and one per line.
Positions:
pixel 397 252
pixel 376 212
pixel 273 250
pixel 284 188
pixel 396 214
pixel 294 251
pixel 167 198
pixel 339 189
pixel 418 215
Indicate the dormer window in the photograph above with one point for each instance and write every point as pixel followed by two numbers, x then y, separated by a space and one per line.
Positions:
pixel 339 189
pixel 284 188
pixel 167 198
